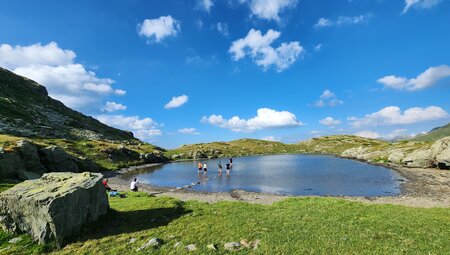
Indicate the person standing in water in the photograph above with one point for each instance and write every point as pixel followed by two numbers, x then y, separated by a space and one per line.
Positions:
pixel 231 162
pixel 205 168
pixel 219 164
pixel 228 167
pixel 200 167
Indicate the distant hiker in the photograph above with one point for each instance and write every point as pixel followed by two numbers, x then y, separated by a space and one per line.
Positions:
pixel 231 162
pixel 205 168
pixel 219 164
pixel 134 185
pixel 200 167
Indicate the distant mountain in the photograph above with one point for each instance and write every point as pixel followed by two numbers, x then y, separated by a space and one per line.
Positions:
pixel 434 134
pixel 26 110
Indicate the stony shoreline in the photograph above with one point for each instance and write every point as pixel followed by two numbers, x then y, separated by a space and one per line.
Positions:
pixel 423 187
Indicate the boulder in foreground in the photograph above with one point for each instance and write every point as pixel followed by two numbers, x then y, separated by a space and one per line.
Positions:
pixel 55 206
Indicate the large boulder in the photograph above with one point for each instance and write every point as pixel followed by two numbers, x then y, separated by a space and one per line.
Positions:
pixel 55 206
pixel 121 153
pixel 396 156
pixel 10 165
pixel 28 152
pixel 57 159
pixel 441 150
pixel 419 158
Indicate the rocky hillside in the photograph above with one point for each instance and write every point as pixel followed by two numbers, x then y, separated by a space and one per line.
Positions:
pixel 336 144
pixel 39 134
pixel 26 110
pixel 434 134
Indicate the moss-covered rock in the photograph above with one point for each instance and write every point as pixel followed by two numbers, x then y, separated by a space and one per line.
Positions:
pixel 55 206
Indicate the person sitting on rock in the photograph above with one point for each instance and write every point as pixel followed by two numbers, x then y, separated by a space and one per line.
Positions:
pixel 134 185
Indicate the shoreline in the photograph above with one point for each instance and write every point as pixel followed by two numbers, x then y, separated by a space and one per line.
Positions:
pixel 421 187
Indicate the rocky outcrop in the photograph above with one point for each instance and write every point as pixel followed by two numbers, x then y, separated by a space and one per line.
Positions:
pixel 441 151
pixel 396 156
pixel 354 152
pixel 28 153
pixel 419 158
pixel 55 206
pixel 121 153
pixel 57 159
pixel 10 165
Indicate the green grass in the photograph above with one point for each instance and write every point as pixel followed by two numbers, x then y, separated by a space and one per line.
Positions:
pixel 292 226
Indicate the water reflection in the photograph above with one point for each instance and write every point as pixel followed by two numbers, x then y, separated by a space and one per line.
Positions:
pixel 279 174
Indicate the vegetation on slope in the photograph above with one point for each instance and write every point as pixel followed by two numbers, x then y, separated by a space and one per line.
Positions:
pixel 241 147
pixel 434 134
pixel 292 226
pixel 105 153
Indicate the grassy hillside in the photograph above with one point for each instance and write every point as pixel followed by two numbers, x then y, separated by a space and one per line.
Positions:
pixel 434 134
pixel 336 144
pixel 241 147
pixel 27 110
pixel 292 226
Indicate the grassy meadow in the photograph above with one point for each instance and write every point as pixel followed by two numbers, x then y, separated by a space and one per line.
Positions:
pixel 292 226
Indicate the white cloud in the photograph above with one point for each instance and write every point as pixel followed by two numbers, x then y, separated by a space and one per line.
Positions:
pixel 392 115
pixel 269 9
pixel 330 122
pixel 342 20
pixel 323 22
pixel 205 5
pixel 189 131
pixel 270 138
pixel 318 47
pixel 113 106
pixel 144 129
pixel 314 132
pixel 177 102
pixel 420 4
pixel 428 78
pixel 265 118
pixel 258 47
pixel 160 28
pixel 222 28
pixel 328 98
pixel 56 69
pixel 368 134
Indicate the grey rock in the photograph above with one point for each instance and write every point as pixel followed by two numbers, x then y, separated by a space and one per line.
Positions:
pixel 232 246
pixel 86 165
pixel 396 156
pixel 441 150
pixel 154 242
pixel 177 244
pixel 10 165
pixel 15 240
pixel 191 247
pixel 132 240
pixel 25 175
pixel 28 153
pixel 211 247
pixel 419 158
pixel 55 206
pixel 57 159
pixel 353 152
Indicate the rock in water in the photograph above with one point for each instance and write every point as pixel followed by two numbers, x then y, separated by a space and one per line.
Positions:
pixel 55 206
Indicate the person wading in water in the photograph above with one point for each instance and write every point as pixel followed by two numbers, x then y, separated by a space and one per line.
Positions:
pixel 200 167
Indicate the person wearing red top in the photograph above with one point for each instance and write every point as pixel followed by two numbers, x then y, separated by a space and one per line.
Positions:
pixel 105 183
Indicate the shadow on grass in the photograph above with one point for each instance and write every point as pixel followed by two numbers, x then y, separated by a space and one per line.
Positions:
pixel 117 222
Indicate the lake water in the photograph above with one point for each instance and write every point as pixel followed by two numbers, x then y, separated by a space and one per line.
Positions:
pixel 278 174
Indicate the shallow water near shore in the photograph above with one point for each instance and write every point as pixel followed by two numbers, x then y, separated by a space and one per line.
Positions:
pixel 296 175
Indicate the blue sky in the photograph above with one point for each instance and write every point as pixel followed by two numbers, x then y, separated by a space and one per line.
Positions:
pixel 282 70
